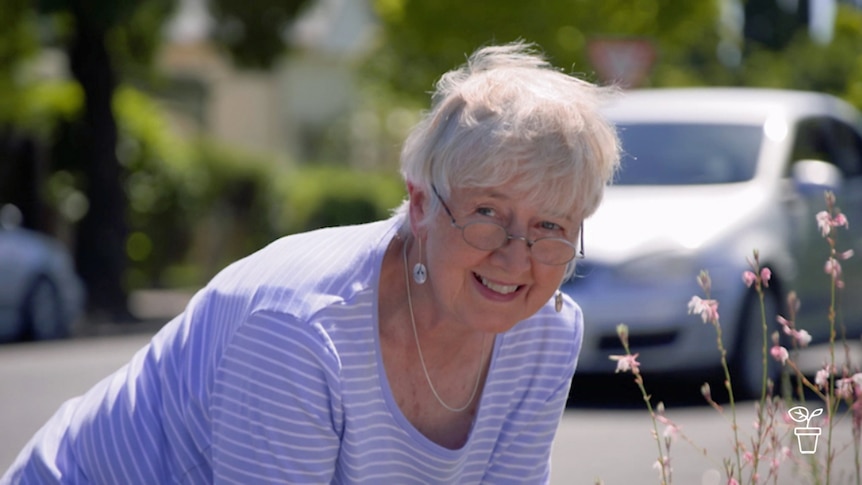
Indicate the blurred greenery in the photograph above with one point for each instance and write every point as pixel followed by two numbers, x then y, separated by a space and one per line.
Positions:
pixel 433 37
pixel 253 31
pixel 694 42
pixel 192 204
pixel 65 149
pixel 196 205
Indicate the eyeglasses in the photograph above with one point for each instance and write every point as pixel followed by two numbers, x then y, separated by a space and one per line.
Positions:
pixel 489 236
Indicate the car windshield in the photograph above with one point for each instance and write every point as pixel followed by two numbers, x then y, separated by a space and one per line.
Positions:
pixel 686 153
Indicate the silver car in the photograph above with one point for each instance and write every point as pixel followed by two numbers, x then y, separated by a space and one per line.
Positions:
pixel 709 175
pixel 41 296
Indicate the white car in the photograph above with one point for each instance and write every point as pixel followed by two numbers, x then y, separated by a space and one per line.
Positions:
pixel 708 176
pixel 41 296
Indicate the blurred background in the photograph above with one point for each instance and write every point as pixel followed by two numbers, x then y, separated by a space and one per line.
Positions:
pixel 155 141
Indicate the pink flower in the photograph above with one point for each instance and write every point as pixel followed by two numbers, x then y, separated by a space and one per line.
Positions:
pixel 822 378
pixel 671 431
pixel 801 337
pixel 626 363
pixel 844 388
pixel 707 309
pixel 824 223
pixel 840 220
pixel 776 462
pixel 765 276
pixel 833 268
pixel 749 278
pixel 732 481
pixel 849 387
pixel 779 353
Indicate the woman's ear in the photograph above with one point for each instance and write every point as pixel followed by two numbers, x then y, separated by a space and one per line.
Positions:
pixel 417 207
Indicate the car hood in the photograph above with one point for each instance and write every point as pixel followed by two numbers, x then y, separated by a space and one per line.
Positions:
pixel 634 221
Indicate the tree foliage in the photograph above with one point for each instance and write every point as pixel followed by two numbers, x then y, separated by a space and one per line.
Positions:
pixel 107 43
pixel 433 37
pixel 254 32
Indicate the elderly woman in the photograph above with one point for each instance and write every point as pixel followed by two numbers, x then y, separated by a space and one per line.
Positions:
pixel 432 347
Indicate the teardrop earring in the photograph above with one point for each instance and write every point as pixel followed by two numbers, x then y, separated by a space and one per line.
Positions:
pixel 558 301
pixel 420 272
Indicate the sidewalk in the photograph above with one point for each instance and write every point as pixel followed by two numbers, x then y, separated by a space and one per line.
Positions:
pixel 152 308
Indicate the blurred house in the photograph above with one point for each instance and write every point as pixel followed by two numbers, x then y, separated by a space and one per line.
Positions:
pixel 284 111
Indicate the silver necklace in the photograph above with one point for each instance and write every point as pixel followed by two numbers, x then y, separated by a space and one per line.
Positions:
pixel 419 348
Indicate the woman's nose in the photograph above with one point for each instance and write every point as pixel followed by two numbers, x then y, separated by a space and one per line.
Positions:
pixel 516 253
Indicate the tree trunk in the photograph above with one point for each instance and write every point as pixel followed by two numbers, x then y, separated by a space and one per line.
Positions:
pixel 101 234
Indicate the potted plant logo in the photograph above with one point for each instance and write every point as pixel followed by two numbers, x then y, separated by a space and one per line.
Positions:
pixel 806 436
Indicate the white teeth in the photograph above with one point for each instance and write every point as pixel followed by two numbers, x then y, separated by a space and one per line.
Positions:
pixel 504 289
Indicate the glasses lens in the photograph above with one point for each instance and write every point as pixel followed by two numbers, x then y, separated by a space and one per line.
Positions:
pixel 488 237
pixel 484 235
pixel 553 251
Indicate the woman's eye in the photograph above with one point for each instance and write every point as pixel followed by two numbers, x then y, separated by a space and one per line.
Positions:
pixel 551 226
pixel 486 211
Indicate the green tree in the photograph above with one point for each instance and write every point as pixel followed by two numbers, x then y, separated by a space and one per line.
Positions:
pixel 97 38
pixel 18 42
pixel 833 68
pixel 770 24
pixel 432 37
pixel 108 42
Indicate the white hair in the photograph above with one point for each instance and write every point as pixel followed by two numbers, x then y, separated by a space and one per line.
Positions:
pixel 508 116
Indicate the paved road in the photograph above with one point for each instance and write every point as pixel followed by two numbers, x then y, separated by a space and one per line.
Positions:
pixel 597 441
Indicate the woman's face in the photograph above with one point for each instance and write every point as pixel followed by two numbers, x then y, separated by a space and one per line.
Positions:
pixel 489 290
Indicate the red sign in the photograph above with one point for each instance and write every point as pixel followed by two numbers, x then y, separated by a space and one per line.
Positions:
pixel 625 62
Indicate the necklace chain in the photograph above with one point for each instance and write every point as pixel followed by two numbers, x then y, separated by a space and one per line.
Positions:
pixel 419 348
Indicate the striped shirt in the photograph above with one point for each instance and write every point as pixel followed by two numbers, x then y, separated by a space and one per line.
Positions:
pixel 273 374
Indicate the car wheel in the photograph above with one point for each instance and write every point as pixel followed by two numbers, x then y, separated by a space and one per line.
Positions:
pixel 747 370
pixel 43 311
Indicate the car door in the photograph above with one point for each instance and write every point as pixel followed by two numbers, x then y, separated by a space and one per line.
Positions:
pixel 838 143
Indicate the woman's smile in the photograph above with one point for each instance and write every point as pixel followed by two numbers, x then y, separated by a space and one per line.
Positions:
pixel 501 289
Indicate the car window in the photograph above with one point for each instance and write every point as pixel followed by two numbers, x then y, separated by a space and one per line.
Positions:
pixel 829 140
pixel 686 153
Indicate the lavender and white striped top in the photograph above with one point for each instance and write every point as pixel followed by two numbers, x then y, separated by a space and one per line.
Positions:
pixel 273 375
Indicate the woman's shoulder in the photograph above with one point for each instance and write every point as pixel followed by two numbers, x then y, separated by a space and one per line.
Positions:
pixel 303 272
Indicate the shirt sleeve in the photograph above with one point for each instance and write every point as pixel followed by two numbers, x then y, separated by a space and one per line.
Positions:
pixel 276 405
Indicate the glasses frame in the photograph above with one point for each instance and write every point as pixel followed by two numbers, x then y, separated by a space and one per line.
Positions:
pixel 579 250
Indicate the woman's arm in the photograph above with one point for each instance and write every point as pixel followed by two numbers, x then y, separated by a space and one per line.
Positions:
pixel 276 410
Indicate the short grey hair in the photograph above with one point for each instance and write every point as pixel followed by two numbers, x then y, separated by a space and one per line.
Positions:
pixel 508 115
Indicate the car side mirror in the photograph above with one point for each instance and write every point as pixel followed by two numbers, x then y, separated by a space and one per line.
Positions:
pixel 816 176
pixel 10 216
